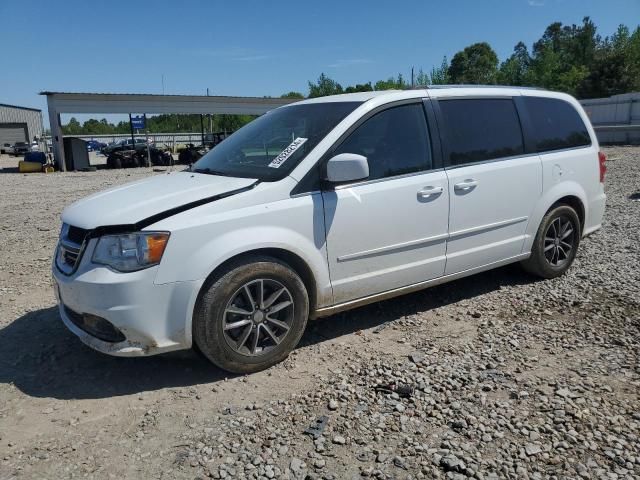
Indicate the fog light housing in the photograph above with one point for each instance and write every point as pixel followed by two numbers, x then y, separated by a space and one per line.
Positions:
pixel 96 326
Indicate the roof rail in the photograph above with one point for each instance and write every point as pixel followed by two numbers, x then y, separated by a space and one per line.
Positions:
pixel 464 85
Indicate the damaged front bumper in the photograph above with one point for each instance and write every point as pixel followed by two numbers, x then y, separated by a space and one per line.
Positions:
pixel 138 316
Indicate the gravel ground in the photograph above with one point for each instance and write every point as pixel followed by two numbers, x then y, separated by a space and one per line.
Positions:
pixel 508 377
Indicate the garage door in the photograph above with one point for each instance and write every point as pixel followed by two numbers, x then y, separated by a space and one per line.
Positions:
pixel 12 133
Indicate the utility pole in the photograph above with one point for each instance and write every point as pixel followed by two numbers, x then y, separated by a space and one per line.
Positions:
pixel 210 117
pixel 413 83
pixel 202 129
pixel 133 139
pixel 148 164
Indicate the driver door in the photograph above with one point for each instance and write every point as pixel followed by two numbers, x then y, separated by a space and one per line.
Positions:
pixel 390 230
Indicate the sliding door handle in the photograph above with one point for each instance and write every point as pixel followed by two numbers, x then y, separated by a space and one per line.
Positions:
pixel 465 186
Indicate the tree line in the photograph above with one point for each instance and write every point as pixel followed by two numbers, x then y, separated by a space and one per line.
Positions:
pixel 574 59
pixel 570 58
pixel 165 123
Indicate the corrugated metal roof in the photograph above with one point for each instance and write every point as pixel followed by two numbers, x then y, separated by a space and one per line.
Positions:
pixel 46 92
pixel 21 108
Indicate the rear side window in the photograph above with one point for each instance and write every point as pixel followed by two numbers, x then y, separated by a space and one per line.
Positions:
pixel 556 124
pixel 395 142
pixel 480 129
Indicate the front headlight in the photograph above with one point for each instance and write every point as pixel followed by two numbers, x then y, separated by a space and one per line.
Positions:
pixel 132 251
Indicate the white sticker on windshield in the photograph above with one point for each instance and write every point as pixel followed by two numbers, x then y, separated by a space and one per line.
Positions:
pixel 287 152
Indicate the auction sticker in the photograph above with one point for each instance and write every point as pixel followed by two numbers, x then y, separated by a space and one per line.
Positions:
pixel 287 152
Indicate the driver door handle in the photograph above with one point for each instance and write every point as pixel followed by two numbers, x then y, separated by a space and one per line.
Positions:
pixel 467 185
pixel 430 191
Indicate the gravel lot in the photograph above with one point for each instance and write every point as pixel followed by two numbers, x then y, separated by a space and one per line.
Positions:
pixel 512 377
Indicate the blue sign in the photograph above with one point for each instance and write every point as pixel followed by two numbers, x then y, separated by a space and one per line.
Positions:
pixel 137 122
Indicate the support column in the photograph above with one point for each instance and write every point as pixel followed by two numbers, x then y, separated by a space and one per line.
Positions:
pixel 202 129
pixel 56 134
pixel 133 138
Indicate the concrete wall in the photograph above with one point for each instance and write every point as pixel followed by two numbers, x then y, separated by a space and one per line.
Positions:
pixel 614 118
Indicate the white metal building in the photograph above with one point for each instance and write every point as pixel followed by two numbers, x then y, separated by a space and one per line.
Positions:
pixel 19 124
pixel 69 102
pixel 616 119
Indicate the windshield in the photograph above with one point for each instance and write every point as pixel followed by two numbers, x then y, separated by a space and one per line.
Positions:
pixel 272 145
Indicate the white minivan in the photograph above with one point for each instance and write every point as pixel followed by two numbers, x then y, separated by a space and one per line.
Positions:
pixel 324 205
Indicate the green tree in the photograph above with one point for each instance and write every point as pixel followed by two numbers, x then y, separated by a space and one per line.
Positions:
pixel 564 56
pixel 324 86
pixel 231 123
pixel 440 75
pixel 616 67
pixel 515 69
pixel 72 128
pixel 292 95
pixel 476 64
pixel 391 83
pixel 422 78
pixel 359 87
pixel 97 127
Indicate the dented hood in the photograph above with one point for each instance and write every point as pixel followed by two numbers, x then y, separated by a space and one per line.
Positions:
pixel 137 202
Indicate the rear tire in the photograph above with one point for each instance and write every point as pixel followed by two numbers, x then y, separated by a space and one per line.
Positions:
pixel 556 243
pixel 116 162
pixel 242 333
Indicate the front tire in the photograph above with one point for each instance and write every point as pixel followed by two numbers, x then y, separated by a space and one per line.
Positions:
pixel 251 315
pixel 556 243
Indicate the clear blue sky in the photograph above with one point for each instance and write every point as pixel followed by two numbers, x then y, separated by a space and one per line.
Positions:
pixel 253 47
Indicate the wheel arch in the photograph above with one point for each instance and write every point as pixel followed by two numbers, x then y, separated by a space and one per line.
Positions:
pixel 297 264
pixel 568 193
pixel 575 203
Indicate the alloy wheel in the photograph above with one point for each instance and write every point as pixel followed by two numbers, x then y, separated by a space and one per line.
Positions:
pixel 559 241
pixel 258 317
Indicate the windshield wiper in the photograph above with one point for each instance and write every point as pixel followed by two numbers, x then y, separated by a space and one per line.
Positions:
pixel 209 171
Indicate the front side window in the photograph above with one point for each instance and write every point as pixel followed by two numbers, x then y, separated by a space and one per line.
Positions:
pixel 556 124
pixel 270 147
pixel 480 129
pixel 395 142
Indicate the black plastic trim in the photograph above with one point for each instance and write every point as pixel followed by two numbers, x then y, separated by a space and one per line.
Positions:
pixel 188 206
pixel 528 133
pixel 135 227
pixel 442 132
pixel 437 158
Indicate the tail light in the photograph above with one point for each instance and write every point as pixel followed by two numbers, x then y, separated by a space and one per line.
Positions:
pixel 602 161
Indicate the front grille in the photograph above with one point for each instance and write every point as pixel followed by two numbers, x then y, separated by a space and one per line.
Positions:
pixel 70 255
pixel 70 248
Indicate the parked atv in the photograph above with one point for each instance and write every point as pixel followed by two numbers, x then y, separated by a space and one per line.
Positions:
pixel 159 156
pixel 138 158
pixel 123 159
pixel 191 154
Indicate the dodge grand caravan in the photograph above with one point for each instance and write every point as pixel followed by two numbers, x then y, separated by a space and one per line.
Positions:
pixel 325 205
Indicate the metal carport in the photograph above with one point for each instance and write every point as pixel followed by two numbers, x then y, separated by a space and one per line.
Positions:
pixel 125 103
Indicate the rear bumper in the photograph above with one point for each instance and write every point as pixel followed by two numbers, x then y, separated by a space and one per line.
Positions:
pixel 153 318
pixel 595 214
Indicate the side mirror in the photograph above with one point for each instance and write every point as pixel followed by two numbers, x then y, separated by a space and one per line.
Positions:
pixel 347 167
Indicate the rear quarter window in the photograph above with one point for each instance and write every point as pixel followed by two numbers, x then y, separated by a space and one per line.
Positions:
pixel 556 124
